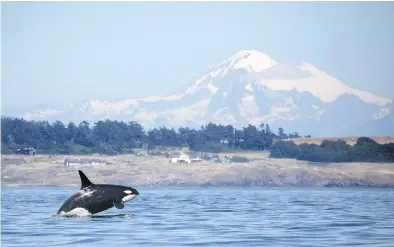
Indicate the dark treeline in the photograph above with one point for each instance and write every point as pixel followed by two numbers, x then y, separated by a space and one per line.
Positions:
pixel 115 137
pixel 365 150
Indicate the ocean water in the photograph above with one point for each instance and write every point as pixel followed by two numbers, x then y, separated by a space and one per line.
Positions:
pixel 204 217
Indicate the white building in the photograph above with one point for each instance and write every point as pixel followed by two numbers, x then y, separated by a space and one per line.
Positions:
pixel 184 158
pixel 83 162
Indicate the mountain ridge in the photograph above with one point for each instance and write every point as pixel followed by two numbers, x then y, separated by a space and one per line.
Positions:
pixel 248 87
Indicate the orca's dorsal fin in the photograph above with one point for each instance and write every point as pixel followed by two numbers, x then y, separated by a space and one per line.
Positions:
pixel 85 182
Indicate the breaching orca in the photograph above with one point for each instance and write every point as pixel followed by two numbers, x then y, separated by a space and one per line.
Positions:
pixel 96 198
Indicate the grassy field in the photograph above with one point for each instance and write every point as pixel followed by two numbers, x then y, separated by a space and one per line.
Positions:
pixel 154 171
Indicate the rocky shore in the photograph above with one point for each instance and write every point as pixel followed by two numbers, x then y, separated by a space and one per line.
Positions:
pixel 156 171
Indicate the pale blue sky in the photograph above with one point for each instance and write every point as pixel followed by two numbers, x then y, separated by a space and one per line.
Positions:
pixel 64 52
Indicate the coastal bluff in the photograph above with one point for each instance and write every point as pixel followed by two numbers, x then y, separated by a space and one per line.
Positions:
pixel 157 171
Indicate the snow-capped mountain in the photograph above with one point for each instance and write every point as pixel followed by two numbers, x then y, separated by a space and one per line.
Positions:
pixel 250 87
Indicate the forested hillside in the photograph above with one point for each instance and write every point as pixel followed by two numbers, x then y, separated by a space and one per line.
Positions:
pixel 115 137
pixel 365 150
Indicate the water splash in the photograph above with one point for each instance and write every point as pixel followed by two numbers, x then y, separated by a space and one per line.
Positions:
pixel 76 212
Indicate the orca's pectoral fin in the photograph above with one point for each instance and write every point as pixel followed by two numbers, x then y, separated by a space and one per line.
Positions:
pixel 119 205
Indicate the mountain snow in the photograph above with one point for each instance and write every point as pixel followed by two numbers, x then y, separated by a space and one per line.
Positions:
pixel 321 85
pixel 249 87
pixel 250 60
pixel 42 113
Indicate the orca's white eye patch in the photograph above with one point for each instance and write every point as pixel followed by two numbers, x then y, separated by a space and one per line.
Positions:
pixel 127 191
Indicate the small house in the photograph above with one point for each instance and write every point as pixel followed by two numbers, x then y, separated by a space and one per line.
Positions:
pixel 26 151
pixel 83 162
pixel 184 158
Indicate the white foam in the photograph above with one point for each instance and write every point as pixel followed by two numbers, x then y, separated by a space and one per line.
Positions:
pixel 76 212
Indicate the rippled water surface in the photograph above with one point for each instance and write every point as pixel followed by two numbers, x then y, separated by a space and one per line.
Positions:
pixel 205 217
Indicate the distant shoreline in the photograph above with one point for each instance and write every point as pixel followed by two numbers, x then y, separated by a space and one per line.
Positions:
pixel 156 172
pixel 180 187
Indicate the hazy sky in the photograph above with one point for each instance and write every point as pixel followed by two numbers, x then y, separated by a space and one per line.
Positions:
pixel 65 52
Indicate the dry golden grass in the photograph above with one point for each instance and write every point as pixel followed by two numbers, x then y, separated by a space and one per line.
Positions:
pixel 157 171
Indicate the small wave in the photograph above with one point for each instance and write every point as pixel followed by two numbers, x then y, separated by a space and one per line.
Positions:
pixel 113 216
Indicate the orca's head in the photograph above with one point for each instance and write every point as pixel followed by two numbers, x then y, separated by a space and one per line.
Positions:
pixel 128 194
pixel 121 194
